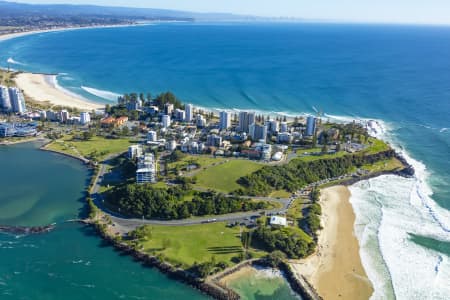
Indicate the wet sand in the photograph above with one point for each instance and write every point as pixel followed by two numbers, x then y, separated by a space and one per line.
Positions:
pixel 335 270
pixel 42 88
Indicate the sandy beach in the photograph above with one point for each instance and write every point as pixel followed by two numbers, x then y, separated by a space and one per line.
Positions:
pixel 335 270
pixel 40 87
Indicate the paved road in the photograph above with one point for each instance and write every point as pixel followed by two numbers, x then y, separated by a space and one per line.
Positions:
pixel 128 224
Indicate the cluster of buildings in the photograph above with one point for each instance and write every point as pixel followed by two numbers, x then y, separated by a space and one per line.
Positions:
pixel 18 129
pixel 64 116
pixel 12 100
pixel 146 171
pixel 188 130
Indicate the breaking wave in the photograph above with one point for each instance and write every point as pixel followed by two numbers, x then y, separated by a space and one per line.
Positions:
pixel 101 94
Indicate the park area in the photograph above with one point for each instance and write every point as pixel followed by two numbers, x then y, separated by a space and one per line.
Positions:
pixel 186 245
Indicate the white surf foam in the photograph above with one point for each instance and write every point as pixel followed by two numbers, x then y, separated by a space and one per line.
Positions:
pixel 387 210
pixel 102 94
pixel 14 62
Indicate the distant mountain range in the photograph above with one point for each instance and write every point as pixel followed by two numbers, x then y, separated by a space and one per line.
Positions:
pixel 10 11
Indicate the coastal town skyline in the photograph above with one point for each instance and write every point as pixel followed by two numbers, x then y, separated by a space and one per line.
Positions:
pixel 434 12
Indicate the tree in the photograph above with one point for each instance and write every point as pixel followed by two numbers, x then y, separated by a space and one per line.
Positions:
pixel 135 130
pixel 125 131
pixel 87 135
pixel 275 258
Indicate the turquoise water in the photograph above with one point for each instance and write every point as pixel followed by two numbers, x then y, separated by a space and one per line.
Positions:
pixel 399 75
pixel 71 262
pixel 263 284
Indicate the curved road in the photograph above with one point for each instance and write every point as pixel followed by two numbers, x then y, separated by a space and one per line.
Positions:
pixel 127 224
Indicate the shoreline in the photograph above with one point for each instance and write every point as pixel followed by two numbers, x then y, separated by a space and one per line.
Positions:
pixel 336 269
pixel 44 88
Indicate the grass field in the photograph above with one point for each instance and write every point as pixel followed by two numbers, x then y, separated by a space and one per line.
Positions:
pixel 223 177
pixel 280 194
pixel 202 160
pixel 376 146
pixel 186 245
pixel 384 165
pixel 99 145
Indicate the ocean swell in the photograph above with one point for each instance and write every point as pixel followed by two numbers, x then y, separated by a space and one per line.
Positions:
pixel 390 208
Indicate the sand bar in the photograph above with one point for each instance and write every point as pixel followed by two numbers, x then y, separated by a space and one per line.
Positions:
pixel 335 270
pixel 43 88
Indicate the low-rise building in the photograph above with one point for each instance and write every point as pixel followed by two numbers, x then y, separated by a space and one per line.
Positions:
pixel 278 221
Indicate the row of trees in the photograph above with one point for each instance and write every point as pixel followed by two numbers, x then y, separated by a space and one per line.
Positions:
pixel 297 173
pixel 146 201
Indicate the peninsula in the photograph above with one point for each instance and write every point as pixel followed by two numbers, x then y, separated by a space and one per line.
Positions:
pixel 202 195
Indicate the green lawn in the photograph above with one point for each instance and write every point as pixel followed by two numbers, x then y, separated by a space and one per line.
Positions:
pixel 376 145
pixel 196 243
pixel 280 194
pixel 99 145
pixel 223 177
pixel 202 160
pixel 384 165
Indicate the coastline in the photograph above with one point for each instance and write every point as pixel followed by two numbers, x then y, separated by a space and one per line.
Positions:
pixel 44 88
pixel 336 270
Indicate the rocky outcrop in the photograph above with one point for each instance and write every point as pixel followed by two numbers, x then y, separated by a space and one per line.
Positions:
pixel 22 230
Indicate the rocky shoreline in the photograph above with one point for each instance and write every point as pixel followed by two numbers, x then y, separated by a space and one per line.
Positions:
pixel 24 230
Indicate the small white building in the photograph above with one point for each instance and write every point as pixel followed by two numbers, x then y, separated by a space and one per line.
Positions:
pixel 278 221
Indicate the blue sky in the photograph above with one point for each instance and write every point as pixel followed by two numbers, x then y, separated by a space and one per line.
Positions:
pixel 391 11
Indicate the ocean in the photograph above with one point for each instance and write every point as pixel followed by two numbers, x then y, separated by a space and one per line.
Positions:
pixel 397 75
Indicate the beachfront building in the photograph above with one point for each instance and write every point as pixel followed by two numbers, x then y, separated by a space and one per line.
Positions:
pixel 5 101
pixel 310 126
pixel 134 151
pixel 146 170
pixel 165 120
pixel 64 116
pixel 12 100
pixel 85 118
pixel 17 100
pixel 258 132
pixel 225 120
pixel 245 120
pixel 189 110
